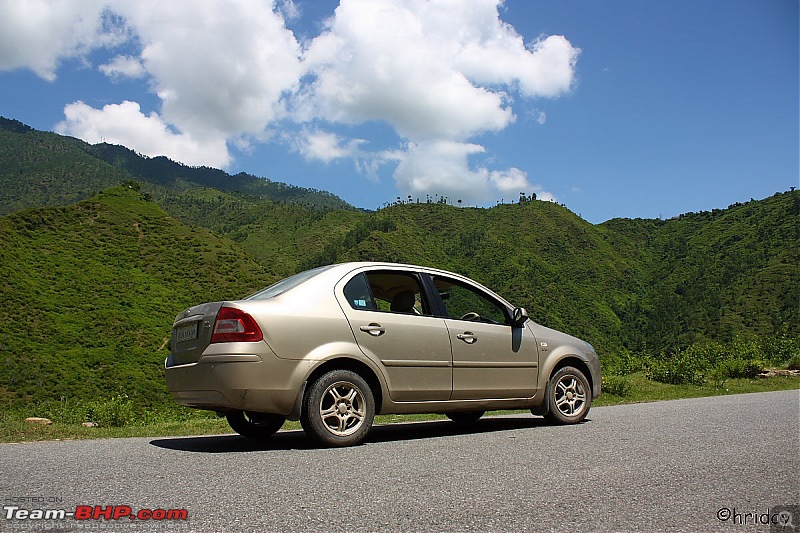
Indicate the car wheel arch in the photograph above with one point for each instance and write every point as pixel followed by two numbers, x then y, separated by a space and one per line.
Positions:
pixel 575 362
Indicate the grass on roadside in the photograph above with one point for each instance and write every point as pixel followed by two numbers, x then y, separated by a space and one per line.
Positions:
pixel 635 388
pixel 645 390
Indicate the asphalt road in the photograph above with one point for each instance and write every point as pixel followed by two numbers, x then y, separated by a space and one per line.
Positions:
pixel 668 466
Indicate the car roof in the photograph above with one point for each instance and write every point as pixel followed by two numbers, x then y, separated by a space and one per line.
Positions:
pixel 359 264
pixel 341 269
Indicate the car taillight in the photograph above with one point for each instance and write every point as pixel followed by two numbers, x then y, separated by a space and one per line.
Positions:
pixel 234 325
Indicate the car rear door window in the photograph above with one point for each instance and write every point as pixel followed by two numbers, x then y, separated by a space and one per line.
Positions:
pixel 389 291
pixel 398 292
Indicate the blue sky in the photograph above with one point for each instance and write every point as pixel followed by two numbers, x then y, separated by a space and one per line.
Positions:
pixel 619 108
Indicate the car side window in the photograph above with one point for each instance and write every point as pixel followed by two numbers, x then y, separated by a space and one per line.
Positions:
pixel 358 294
pixel 389 291
pixel 464 302
pixel 398 292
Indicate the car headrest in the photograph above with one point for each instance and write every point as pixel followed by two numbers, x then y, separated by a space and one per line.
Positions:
pixel 403 302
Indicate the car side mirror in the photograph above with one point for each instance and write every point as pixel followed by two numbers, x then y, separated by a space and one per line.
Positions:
pixel 519 317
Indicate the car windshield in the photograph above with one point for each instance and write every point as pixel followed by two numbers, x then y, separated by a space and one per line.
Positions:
pixel 287 284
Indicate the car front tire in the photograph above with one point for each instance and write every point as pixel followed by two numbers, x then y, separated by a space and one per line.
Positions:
pixel 338 409
pixel 569 397
pixel 254 425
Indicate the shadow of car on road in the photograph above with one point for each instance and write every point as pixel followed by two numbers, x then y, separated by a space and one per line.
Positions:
pixel 297 439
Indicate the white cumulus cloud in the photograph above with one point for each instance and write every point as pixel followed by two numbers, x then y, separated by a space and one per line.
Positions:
pixel 219 68
pixel 325 146
pixel 147 134
pixel 39 34
pixel 438 73
pixel 442 168
pixel 512 180
pixel 217 65
pixel 123 67
pixel 395 61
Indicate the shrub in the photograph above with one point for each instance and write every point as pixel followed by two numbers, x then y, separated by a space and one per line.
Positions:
pixel 678 369
pixel 718 377
pixel 780 350
pixel 741 368
pixel 618 385
pixel 630 364
pixel 115 412
pixel 741 358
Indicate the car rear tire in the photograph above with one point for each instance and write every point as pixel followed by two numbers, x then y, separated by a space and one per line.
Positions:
pixel 465 417
pixel 338 409
pixel 570 396
pixel 254 425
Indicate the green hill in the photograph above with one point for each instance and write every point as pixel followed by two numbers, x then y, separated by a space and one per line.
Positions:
pixel 44 169
pixel 280 236
pixel 716 275
pixel 176 176
pixel 90 292
pixel 626 285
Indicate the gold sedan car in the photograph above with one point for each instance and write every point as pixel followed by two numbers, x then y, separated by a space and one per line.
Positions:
pixel 336 345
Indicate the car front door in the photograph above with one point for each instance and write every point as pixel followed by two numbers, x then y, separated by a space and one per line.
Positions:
pixel 491 359
pixel 392 322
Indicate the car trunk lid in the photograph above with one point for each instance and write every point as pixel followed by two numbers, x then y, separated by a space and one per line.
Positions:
pixel 191 333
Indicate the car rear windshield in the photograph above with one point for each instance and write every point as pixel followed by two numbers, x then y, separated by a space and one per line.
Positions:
pixel 287 284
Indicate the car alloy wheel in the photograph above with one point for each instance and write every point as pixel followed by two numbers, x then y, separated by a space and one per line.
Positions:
pixel 339 409
pixel 569 396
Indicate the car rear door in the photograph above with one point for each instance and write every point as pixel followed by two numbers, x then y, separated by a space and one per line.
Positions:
pixel 392 322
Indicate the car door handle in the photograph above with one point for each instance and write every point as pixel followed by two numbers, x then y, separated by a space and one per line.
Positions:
pixel 467 337
pixel 376 330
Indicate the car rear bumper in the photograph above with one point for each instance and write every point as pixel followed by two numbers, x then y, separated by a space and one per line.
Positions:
pixel 221 382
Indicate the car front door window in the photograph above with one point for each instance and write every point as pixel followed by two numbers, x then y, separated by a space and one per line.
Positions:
pixel 466 303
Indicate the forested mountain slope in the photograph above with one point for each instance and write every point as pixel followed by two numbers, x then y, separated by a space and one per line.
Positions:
pixel 716 275
pixel 41 169
pixel 90 292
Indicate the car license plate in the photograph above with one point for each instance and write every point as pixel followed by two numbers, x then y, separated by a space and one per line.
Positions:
pixel 186 333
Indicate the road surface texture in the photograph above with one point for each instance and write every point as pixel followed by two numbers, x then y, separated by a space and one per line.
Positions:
pixel 683 465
